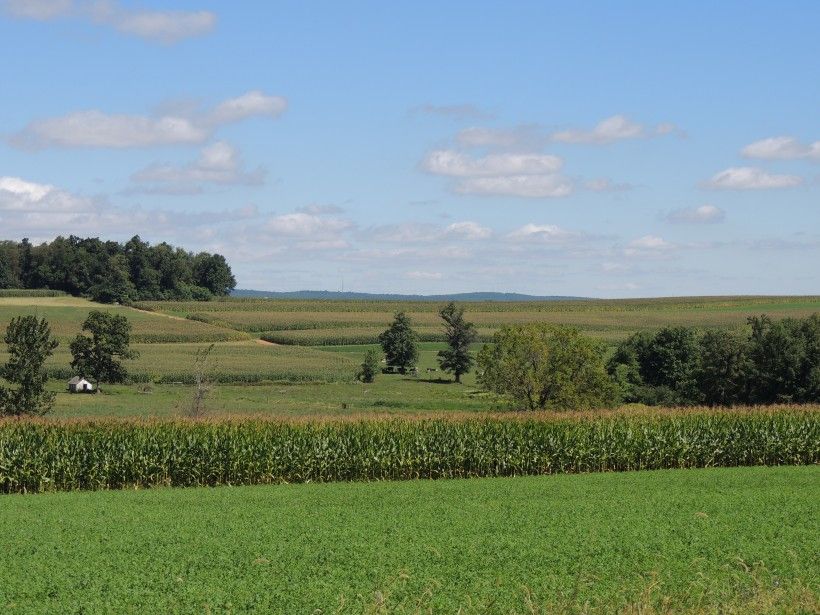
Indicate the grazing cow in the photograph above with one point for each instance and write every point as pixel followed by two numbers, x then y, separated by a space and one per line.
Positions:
pixel 430 370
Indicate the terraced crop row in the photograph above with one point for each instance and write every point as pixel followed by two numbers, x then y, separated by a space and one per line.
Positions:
pixel 319 322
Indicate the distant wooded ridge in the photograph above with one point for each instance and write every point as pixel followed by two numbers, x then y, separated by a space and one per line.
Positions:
pixel 466 297
pixel 113 272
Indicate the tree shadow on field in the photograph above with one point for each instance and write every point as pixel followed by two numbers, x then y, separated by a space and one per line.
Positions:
pixel 430 380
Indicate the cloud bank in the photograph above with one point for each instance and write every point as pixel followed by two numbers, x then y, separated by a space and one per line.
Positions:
pixel 96 129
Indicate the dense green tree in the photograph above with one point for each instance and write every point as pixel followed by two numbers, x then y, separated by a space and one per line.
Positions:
pixel 540 366
pixel 785 357
pixel 27 265
pixel 369 368
pixel 114 286
pixel 624 367
pixel 657 369
pixel 100 355
pixel 29 343
pixel 10 265
pixel 670 361
pixel 723 370
pixel 211 271
pixel 399 343
pixel 459 334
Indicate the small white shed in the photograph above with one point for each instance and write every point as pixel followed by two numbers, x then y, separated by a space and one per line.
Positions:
pixel 79 384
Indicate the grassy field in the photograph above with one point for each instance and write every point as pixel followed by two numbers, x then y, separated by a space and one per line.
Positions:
pixel 739 540
pixel 287 381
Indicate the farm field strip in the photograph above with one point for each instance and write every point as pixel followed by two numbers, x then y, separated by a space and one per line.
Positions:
pixel 740 540
pixel 351 322
pixel 48 455
pixel 66 315
pixel 230 362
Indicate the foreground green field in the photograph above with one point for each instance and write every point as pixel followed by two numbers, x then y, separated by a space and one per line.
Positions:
pixel 739 540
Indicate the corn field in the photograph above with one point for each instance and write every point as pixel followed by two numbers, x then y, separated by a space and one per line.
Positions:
pixel 38 456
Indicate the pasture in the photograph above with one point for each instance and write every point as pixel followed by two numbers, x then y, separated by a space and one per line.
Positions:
pixel 742 541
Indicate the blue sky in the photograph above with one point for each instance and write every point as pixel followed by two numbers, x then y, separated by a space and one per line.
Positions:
pixel 596 149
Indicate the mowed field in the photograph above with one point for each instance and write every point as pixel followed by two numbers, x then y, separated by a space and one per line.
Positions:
pixel 309 369
pixel 740 540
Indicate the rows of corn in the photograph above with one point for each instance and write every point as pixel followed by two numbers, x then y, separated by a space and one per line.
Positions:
pixel 330 322
pixel 40 456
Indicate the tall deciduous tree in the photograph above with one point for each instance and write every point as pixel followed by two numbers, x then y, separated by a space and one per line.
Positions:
pixel 456 359
pixel 399 343
pixel 101 354
pixel 29 344
pixel 539 366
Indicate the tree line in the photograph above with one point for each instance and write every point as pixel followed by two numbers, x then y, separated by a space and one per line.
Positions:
pixel 540 366
pixel 771 361
pixel 113 272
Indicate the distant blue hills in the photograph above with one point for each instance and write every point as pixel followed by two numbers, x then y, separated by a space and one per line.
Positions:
pixel 330 294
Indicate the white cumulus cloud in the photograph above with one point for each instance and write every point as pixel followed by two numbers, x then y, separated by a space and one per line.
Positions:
pixel 781 148
pixel 306 225
pixel 250 104
pixel 541 232
pixel 218 163
pixel 751 178
pixel 615 128
pixel 468 230
pixel 457 164
pixel 649 246
pixel 17 194
pixel 530 186
pixel 510 174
